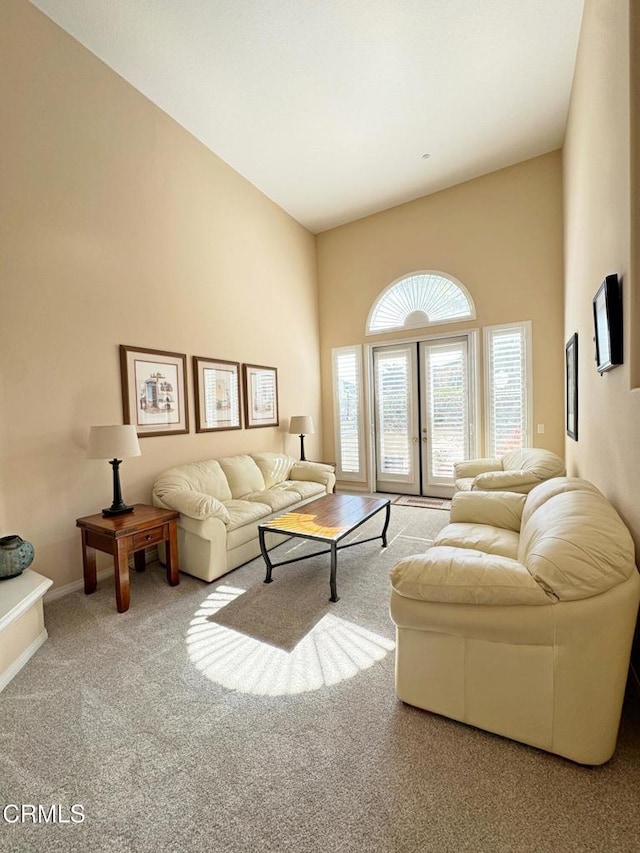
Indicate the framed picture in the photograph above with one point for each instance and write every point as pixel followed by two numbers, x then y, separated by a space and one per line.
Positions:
pixel 154 390
pixel 216 384
pixel 607 318
pixel 260 396
pixel 571 370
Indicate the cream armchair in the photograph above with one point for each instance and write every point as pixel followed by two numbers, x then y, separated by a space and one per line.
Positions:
pixel 520 618
pixel 517 471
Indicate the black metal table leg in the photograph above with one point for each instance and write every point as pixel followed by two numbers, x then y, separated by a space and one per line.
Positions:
pixel 265 554
pixel 386 525
pixel 334 569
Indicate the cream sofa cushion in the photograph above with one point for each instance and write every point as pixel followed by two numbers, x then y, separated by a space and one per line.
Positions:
pixel 515 481
pixel 517 471
pixel 500 509
pixel 244 512
pixel 465 576
pixel 276 499
pixel 205 477
pixel 576 546
pixel 557 486
pixel 275 467
pixel 305 489
pixel 470 468
pixel 544 463
pixel 316 471
pixel 243 475
pixel 195 504
pixel 480 537
pixel 496 623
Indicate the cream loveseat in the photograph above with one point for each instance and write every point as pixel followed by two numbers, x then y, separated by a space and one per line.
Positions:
pixel 520 618
pixel 222 501
pixel 517 471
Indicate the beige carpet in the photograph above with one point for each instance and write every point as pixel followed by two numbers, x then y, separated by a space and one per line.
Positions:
pixel 264 611
pixel 181 734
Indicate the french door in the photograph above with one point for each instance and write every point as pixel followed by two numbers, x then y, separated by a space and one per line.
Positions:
pixel 397 419
pixel 422 406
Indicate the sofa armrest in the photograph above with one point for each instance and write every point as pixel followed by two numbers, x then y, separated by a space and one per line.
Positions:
pixel 473 467
pixel 499 509
pixel 317 472
pixel 504 480
pixel 194 504
pixel 452 575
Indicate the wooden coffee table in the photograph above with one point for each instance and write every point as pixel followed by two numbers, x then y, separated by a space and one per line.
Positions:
pixel 328 519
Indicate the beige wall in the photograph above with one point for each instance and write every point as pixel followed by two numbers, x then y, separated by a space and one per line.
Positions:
pixel 500 235
pixel 597 228
pixel 118 227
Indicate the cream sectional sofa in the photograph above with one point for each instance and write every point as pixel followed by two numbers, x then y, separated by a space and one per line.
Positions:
pixel 222 501
pixel 517 471
pixel 520 618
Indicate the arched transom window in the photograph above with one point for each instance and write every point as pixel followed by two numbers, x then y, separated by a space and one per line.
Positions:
pixel 420 299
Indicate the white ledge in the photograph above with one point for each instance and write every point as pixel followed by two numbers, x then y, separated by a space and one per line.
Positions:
pixel 17 595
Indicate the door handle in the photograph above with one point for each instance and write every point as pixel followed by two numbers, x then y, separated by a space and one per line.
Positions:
pixel 415 439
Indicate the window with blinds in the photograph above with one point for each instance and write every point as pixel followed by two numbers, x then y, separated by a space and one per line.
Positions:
pixel 348 413
pixel 420 299
pixel 448 408
pixel 394 414
pixel 508 408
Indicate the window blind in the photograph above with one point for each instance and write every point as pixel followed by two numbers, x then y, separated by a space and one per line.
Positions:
pixel 449 417
pixel 507 384
pixel 347 380
pixel 393 412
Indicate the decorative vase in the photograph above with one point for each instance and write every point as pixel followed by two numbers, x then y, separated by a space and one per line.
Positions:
pixel 16 555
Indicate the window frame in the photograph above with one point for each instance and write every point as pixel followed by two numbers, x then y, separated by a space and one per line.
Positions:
pixel 358 476
pixel 488 332
pixel 420 325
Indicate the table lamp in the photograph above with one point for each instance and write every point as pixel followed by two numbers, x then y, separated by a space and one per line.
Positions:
pixel 114 443
pixel 301 425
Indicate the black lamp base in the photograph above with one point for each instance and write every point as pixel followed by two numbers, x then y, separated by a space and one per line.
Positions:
pixel 303 458
pixel 107 513
pixel 118 507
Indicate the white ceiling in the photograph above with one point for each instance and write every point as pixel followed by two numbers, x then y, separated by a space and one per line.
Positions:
pixel 327 106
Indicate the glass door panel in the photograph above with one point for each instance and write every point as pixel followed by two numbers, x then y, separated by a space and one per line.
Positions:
pixel 396 419
pixel 445 428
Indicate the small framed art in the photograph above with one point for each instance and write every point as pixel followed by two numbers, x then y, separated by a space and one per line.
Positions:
pixel 260 396
pixel 216 384
pixel 571 371
pixel 154 390
pixel 607 318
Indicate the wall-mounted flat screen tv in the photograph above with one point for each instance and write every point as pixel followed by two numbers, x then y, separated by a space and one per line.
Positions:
pixel 607 318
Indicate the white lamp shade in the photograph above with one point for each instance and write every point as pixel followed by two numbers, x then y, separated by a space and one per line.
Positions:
pixel 301 425
pixel 119 441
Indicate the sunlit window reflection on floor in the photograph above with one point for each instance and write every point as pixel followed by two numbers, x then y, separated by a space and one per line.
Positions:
pixel 332 651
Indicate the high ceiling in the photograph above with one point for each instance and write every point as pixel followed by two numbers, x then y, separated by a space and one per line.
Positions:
pixel 329 106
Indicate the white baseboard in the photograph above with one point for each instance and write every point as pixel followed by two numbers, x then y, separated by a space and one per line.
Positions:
pixel 75 586
pixel 27 654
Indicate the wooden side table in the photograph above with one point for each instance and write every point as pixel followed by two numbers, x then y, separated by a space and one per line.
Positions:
pixel 122 534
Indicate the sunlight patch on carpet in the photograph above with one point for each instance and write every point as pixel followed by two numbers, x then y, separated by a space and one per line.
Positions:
pixel 333 651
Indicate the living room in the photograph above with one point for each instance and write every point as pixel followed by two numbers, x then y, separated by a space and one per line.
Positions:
pixel 121 228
